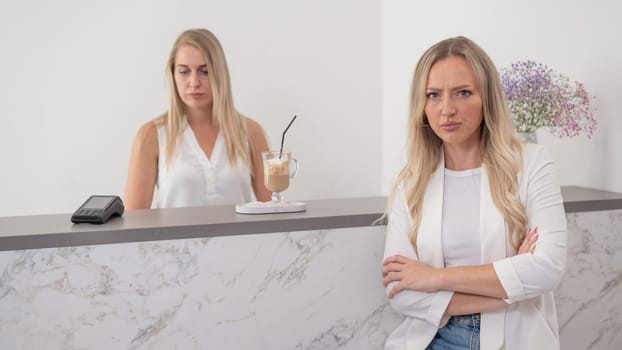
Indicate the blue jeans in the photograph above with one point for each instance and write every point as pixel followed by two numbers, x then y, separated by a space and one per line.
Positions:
pixel 460 333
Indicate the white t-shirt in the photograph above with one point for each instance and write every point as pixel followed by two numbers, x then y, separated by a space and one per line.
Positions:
pixel 193 179
pixel 460 226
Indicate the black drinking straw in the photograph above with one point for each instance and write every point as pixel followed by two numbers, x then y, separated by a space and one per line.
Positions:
pixel 283 137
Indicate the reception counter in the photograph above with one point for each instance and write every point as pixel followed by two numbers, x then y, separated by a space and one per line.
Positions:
pixel 199 278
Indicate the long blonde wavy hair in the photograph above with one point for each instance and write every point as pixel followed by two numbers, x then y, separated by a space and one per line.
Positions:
pixel 225 117
pixel 501 149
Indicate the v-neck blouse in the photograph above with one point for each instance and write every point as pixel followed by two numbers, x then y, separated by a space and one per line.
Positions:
pixel 193 179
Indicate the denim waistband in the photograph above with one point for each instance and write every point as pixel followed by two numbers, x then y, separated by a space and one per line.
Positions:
pixel 467 320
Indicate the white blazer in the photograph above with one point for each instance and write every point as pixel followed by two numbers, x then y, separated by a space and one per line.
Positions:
pixel 530 319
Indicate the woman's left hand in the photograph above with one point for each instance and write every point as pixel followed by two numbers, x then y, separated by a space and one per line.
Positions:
pixel 409 274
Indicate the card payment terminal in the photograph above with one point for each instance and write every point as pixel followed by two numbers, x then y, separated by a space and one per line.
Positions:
pixel 98 209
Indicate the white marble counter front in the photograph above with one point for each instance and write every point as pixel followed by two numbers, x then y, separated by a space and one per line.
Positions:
pixel 589 298
pixel 290 290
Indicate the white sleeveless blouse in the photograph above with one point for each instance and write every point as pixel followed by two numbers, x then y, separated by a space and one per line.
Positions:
pixel 192 179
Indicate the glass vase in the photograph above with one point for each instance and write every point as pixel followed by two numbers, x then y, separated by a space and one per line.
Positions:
pixel 528 137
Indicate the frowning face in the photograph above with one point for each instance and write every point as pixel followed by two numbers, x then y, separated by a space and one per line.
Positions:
pixel 453 102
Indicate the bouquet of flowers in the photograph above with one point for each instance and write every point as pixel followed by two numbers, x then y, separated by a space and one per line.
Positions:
pixel 538 96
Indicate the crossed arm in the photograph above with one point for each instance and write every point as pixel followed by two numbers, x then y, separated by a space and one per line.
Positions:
pixel 476 288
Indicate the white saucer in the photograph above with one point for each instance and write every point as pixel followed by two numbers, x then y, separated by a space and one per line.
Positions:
pixel 270 207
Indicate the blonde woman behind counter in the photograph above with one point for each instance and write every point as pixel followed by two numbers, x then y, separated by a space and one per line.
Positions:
pixel 202 151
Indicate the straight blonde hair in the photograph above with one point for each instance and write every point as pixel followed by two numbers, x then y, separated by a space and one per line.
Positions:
pixel 225 117
pixel 500 147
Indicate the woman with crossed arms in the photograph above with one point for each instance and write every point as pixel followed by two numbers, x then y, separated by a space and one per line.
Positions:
pixel 476 235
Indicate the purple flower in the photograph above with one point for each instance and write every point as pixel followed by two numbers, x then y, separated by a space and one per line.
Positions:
pixel 538 96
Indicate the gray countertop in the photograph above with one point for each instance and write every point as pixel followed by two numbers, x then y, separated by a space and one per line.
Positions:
pixel 48 231
pixel 577 199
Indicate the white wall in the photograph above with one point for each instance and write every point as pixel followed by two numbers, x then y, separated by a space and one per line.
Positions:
pixel 79 77
pixel 576 37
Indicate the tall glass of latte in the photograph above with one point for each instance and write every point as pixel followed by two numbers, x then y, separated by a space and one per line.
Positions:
pixel 277 172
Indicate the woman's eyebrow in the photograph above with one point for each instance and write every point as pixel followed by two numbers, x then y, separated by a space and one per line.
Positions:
pixel 187 66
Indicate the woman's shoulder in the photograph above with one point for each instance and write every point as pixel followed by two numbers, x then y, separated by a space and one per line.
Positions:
pixel 254 130
pixel 533 151
pixel 535 156
pixel 147 136
pixel 148 130
pixel 252 126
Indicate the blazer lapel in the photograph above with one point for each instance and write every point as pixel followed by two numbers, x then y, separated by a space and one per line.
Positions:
pixel 429 241
pixel 492 223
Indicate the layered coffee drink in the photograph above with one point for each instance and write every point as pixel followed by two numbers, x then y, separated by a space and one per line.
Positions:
pixel 276 174
pixel 278 168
